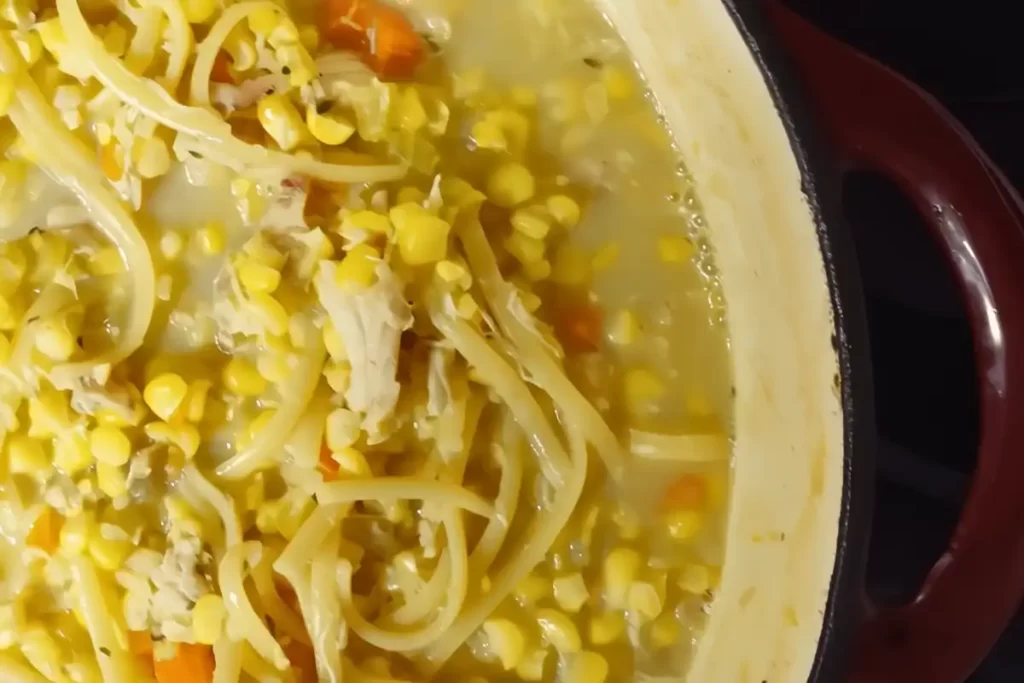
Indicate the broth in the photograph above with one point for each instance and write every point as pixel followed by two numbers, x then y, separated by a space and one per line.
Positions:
pixel 609 275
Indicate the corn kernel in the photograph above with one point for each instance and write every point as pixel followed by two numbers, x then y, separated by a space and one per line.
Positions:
pixel 107 553
pixel 171 245
pixel 253 430
pixel 532 221
pixel 208 619
pixel 198 11
pixel 467 308
pixel 54 339
pixel 559 630
pixel 263 20
pixel 41 650
pixel 211 238
pixel 110 445
pixel 683 525
pixel 105 261
pixel 48 414
pixel 6 92
pixel 357 270
pixel 75 534
pixel 273 366
pixel 111 480
pixel 524 249
pixel 242 378
pixel 152 158
pixel 618 83
pixel 506 640
pixel 270 312
pixel 531 667
pixel 26 456
pixel 342 429
pixel 532 589
pixel 164 394
pixel 587 667
pixel 487 134
pixel 644 599
pixel 30 46
pixel 624 328
pixel 195 401
pixel 564 210
pixel 606 628
pixel 422 236
pixel 570 592
pixel 309 36
pixel 186 437
pixel 332 341
pixel 338 376
pixel 71 454
pixel 411 114
pixel 695 578
pixel 674 249
pixel 329 128
pixel 510 184
pixel 282 121
pixel 359 223
pixel 531 302
pixel 605 257
pixel 641 387
pixel 571 266
pixel 352 463
pixel 453 273
pixel 621 567
pixel 257 277
pixel 664 632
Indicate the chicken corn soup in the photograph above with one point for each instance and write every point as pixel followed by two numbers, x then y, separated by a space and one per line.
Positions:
pixel 349 341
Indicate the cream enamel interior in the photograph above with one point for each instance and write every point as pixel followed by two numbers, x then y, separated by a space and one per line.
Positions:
pixel 785 505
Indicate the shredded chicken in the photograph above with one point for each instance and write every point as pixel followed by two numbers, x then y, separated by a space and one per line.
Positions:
pixel 370 322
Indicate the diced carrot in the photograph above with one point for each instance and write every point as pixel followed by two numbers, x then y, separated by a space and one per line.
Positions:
pixel 689 492
pixel 191 664
pixel 140 642
pixel 580 328
pixel 328 466
pixel 221 72
pixel 381 34
pixel 45 533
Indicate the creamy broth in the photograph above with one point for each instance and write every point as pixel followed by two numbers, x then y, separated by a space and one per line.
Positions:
pixel 177 483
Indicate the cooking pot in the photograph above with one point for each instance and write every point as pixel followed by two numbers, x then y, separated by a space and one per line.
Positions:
pixel 746 87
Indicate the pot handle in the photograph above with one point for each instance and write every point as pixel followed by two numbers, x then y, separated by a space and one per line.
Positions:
pixel 879 121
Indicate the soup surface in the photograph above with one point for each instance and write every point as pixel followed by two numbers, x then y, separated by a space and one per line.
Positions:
pixel 346 341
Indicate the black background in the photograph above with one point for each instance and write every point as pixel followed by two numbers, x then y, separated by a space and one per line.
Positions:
pixel 971 56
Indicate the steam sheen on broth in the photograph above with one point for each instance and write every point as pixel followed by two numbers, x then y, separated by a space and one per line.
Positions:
pixel 382 348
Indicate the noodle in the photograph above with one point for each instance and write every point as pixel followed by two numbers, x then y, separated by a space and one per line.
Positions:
pixel 513 391
pixel 142 50
pixel 404 488
pixel 65 157
pixel 197 485
pixel 242 621
pixel 115 661
pixel 428 597
pixel 542 368
pixel 228 657
pixel 180 46
pixel 507 501
pixel 325 619
pixel 213 135
pixel 289 622
pixel 678 447
pixel 13 671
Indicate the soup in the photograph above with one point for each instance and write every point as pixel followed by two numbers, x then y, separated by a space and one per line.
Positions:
pixel 345 341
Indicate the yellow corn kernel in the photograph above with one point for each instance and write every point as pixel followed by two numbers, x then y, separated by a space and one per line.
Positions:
pixel 357 270
pixel 105 261
pixel 684 525
pixel 628 522
pixel 54 338
pixel 242 378
pixel 532 589
pixel 674 249
pixel 282 121
pixel 411 114
pixel 467 308
pixel 6 92
pixel 263 20
pixel 487 134
pixel 360 223
pixel 10 313
pixel 559 630
pixel 329 128
pixel 453 272
pixel 571 266
pixel 5 349
pixel 29 45
pixel 111 480
pixel 510 184
pixel 211 238
pixel 524 249
pixel 208 619
pixel 531 302
pixel 564 210
pixel 152 158
pixel 273 366
pixel 422 236
pixel 309 36
pixel 171 245
pixel 253 430
pixel 332 341
pixel 644 599
pixel 75 534
pixel 13 262
pixel 195 400
pixel 186 437
pixel 257 277
pixel 352 463
pixel 606 256
pixel 338 376
pixel 48 414
pixel 624 328
pixel 506 640
pixel 71 453
pixel 531 666
pixel 164 394
pixel 292 515
pixel 570 592
pixel 621 567
pixel 270 312
pixel 617 82
pixel 532 221
pixel 342 429
pixel 41 650
pixel 664 632
pixel 695 578
pixel 110 445
pixel 606 628
pixel 26 456
pixel 108 553
pixel 641 387
pixel 587 667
